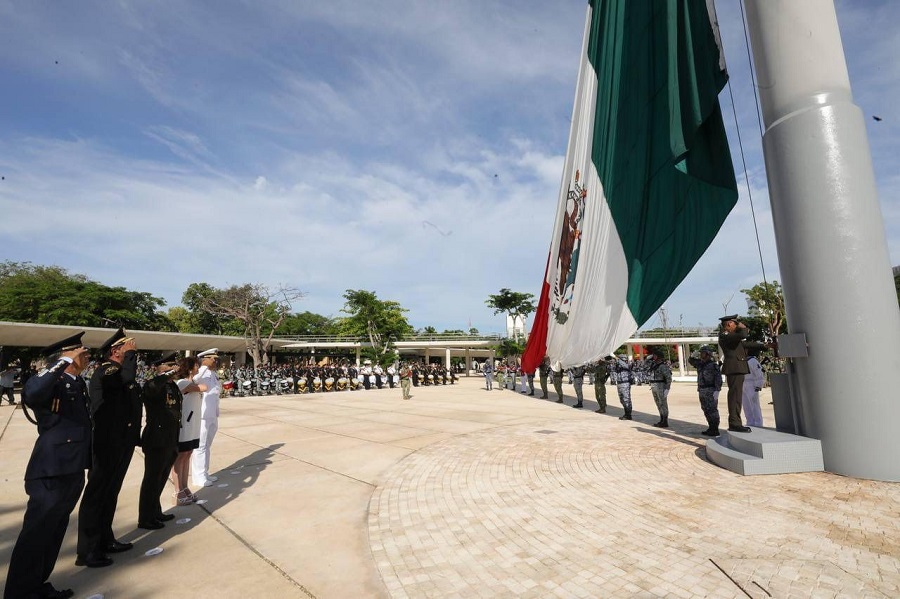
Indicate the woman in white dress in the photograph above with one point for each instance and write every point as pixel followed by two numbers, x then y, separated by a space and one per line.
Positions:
pixel 189 435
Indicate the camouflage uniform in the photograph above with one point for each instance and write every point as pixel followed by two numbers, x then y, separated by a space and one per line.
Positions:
pixel 660 377
pixel 623 378
pixel 578 383
pixel 709 383
pixel 601 373
pixel 557 384
pixel 544 370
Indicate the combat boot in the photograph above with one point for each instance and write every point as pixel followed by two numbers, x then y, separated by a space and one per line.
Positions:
pixel 626 415
pixel 710 432
pixel 663 423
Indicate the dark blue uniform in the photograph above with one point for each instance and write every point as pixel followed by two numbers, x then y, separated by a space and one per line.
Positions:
pixel 54 477
pixel 162 401
pixel 116 409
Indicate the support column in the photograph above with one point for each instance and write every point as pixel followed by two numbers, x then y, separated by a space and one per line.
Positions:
pixel 447 359
pixel 681 359
pixel 358 349
pixel 468 362
pixel 832 251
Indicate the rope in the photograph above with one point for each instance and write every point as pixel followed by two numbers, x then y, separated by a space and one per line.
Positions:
pixel 741 146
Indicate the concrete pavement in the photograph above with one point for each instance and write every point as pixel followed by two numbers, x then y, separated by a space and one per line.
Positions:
pixel 461 492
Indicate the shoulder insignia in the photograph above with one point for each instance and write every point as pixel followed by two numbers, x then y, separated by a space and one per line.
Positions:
pixel 43 372
pixel 110 369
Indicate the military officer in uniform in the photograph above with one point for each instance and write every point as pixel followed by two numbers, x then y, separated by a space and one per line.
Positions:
pixel 162 404
pixel 578 383
pixel 659 374
pixel 116 410
pixel 544 372
pixel 709 383
pixel 557 381
pixel 732 337
pixel 209 417
pixel 54 476
pixel 405 376
pixel 601 373
pixel 623 377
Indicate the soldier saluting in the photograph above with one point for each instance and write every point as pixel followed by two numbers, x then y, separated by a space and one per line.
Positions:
pixel 116 410
pixel 54 477
pixel 734 366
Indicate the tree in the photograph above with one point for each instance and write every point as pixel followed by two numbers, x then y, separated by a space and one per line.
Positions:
pixel 307 324
pixel 769 301
pixel 259 309
pixel 382 322
pixel 428 331
pixel 516 305
pixel 508 348
pixel 51 295
pixel 200 320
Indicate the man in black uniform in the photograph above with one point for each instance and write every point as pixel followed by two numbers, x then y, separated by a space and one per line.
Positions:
pixel 116 410
pixel 162 402
pixel 54 477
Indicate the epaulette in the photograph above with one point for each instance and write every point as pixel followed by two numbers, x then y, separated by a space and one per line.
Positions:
pixel 109 368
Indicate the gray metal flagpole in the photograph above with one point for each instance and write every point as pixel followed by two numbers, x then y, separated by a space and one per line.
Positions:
pixel 832 251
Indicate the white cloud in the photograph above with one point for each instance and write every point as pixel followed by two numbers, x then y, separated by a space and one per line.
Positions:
pixel 410 148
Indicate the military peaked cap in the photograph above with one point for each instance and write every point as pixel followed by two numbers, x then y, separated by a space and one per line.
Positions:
pixel 67 344
pixel 169 357
pixel 118 338
pixel 210 353
pixel 727 318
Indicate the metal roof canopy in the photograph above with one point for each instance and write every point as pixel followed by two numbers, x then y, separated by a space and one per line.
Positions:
pixel 42 335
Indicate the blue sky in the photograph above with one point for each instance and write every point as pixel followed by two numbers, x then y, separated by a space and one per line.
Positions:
pixel 410 148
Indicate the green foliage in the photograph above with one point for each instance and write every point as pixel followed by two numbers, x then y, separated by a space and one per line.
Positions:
pixel 508 348
pixel 769 300
pixel 51 295
pixel 307 323
pixel 197 298
pixel 514 303
pixel 380 321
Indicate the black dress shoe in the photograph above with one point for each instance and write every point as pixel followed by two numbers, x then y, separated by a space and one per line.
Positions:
pixel 710 432
pixel 152 525
pixel 117 547
pixel 165 517
pixel 739 429
pixel 94 560
pixel 48 591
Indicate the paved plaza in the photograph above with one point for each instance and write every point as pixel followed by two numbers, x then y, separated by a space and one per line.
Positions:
pixel 461 492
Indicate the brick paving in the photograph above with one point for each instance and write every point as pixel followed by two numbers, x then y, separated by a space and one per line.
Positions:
pixel 598 508
pixel 467 493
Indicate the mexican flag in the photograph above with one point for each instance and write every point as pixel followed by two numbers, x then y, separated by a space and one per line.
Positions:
pixel 648 178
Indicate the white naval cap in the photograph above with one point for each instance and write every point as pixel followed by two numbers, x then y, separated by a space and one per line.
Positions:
pixel 210 353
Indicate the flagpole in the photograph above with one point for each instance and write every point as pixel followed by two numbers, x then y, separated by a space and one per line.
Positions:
pixel 832 250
